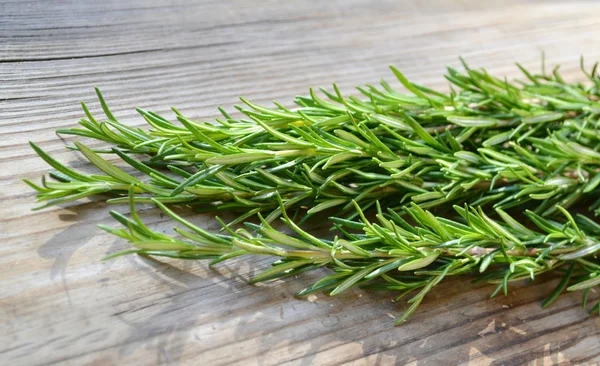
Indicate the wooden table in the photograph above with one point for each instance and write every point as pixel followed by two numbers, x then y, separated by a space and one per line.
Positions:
pixel 60 305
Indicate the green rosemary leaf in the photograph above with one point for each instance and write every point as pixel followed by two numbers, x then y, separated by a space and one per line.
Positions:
pixel 324 284
pixel 407 84
pixel 543 118
pixel 162 245
pixel 560 287
pixel 422 133
pixel 283 239
pixel 419 262
pixel 542 223
pixel 278 270
pixel 327 204
pixel 72 197
pixel 227 256
pixel 36 187
pixel 592 249
pixel 257 249
pixel 589 283
pixel 359 275
pixel 240 158
pixel 119 254
pixel 105 108
pixel 198 177
pixel 104 165
pixel 487 260
pixel 58 166
pixel 141 166
pixel 465 121
pixel 386 268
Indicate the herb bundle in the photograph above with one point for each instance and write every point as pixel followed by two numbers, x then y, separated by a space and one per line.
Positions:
pixel 482 157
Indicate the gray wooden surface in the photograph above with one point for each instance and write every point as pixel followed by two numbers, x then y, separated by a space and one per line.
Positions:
pixel 60 305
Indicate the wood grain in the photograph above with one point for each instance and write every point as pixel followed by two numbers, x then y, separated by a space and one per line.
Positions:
pixel 60 305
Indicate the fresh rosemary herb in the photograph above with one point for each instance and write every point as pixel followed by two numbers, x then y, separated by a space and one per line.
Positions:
pixel 391 254
pixel 527 148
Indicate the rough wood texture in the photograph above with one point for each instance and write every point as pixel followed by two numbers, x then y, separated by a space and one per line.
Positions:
pixel 60 305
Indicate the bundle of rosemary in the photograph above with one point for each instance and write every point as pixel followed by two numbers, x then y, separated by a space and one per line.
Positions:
pixel 483 157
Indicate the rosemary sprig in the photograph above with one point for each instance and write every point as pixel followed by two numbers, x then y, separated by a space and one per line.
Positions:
pixel 492 142
pixel 391 254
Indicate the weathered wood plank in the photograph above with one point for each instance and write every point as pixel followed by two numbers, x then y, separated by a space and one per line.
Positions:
pixel 60 305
